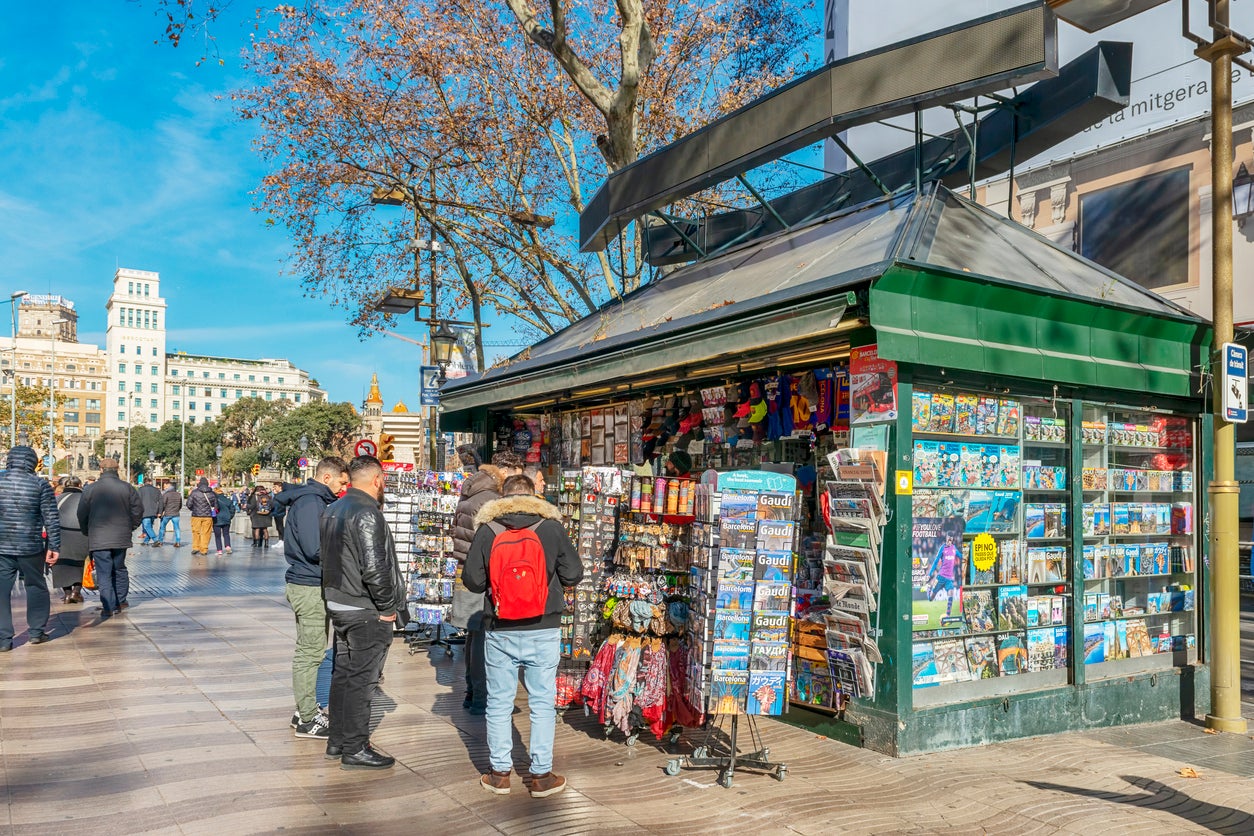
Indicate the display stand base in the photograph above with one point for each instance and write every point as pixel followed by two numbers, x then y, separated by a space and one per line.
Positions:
pixel 710 756
pixel 429 636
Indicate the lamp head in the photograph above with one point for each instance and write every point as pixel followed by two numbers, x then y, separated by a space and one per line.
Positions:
pixel 443 338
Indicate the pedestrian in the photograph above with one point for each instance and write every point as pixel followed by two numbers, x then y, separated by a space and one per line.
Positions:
pixel 222 522
pixel 67 572
pixel 150 502
pixel 523 625
pixel 304 505
pixel 536 474
pixel 280 510
pixel 361 583
pixel 28 512
pixel 107 514
pixel 203 503
pixel 171 509
pixel 466 613
pixel 469 459
pixel 261 513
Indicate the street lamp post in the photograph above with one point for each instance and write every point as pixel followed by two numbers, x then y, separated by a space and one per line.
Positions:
pixel 152 466
pixel 182 451
pixel 13 297
pixel 217 452
pixel 304 447
pixel 52 399
pixel 443 340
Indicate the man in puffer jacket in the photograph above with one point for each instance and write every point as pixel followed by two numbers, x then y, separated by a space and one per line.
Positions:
pixel 467 612
pixel 28 508
pixel 203 503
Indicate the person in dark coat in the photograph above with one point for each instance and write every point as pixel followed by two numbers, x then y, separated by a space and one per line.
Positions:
pixel 107 514
pixel 280 509
pixel 171 508
pixel 151 503
pixel 467 611
pixel 67 572
pixel 203 503
pixel 28 509
pixel 222 522
pixel 261 513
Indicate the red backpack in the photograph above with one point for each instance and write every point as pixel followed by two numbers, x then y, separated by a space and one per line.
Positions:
pixel 518 572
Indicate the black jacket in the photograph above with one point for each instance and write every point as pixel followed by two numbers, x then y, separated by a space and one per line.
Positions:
pixel 171 502
pixel 28 508
pixel 359 566
pixel 303 506
pixel 150 499
pixel 561 560
pixel 202 501
pixel 108 512
pixel 478 490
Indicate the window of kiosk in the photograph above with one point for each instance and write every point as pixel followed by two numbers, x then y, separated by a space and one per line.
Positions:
pixel 1140 541
pixel 990 545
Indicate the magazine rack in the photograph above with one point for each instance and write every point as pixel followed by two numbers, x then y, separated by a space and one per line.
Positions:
pixel 710 756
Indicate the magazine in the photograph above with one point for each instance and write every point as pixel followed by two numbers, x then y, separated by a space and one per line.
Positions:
pixel 729 689
pixel 937 572
pixel 1012 607
pixel 1012 655
pixel 979 609
pixel 765 692
pixel 768 656
pixel 776 535
pixel 951 660
pixel 924 669
pixel 1041 649
pixel 982 657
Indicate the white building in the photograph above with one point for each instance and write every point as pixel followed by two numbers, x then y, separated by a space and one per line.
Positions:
pixel 151 385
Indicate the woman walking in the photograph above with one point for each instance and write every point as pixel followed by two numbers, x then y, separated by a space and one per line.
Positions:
pixel 222 522
pixel 261 512
pixel 67 572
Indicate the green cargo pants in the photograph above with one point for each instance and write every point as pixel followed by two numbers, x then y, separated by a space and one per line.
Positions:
pixel 311 646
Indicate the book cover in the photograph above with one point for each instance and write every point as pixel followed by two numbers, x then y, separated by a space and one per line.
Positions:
pixel 1138 639
pixel 737 533
pixel 765 692
pixel 1034 519
pixel 924 672
pixel 1005 517
pixel 773 566
pixel 1012 565
pixel 978 513
pixel 735 595
pixel 951 660
pixel 768 626
pixel 776 535
pixel 1012 607
pixel 735 564
pixel 1094 643
pixel 1036 564
pixel 982 657
pixel 1089 563
pixel 942 417
pixel 1041 649
pixel 1012 655
pixel 1090 606
pixel 937 572
pixel 964 414
pixel 772 595
pixel 1182 518
pixel 1111 639
pixel 1062 636
pixel 949 473
pixel 1005 466
pixel 731 655
pixel 1120 518
pixel 970 465
pixel 773 505
pixel 920 411
pixel 1055 564
pixel 768 656
pixel 986 416
pixel 1008 417
pixel 729 689
pixel 979 610
pixel 1055 520
pixel 1034 611
pixel 738 506
pixel 926 463
pixel 1057 609
pixel 731 625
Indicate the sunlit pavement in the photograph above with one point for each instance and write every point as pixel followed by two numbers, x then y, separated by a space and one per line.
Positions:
pixel 174 718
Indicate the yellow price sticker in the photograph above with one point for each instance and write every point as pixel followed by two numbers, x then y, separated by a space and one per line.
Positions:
pixel 905 482
pixel 984 552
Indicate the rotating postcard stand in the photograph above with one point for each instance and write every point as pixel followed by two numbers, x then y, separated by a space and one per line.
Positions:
pixel 744 544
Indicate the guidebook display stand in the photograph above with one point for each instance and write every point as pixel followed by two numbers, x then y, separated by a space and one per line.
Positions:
pixel 741 592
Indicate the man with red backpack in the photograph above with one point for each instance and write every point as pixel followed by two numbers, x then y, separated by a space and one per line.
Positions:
pixel 522 558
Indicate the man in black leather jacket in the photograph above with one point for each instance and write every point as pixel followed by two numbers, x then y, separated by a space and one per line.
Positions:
pixel 362 584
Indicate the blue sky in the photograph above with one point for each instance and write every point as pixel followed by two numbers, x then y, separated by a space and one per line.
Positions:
pixel 115 151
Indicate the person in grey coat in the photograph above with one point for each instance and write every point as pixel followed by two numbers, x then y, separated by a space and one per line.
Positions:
pixel 171 508
pixel 28 509
pixel 467 611
pixel 67 573
pixel 107 514
pixel 150 502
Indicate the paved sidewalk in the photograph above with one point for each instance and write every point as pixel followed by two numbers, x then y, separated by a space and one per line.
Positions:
pixel 173 719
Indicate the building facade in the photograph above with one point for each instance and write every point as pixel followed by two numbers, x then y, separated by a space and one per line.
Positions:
pixel 78 372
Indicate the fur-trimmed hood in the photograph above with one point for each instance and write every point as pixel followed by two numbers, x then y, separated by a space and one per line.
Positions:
pixel 521 504
pixel 486 478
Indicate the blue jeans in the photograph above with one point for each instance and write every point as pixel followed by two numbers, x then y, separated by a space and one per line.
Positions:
pixel 31 567
pixel 166 521
pixel 149 531
pixel 537 653
pixel 112 577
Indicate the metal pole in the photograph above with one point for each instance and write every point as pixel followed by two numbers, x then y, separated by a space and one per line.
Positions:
pixel 128 448
pixel 182 451
pixel 1225 666
pixel 52 400
pixel 433 420
pixel 13 367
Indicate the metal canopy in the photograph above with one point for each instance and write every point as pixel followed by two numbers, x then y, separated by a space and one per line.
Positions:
pixel 1087 90
pixel 980 56
pixel 791 290
pixel 1092 15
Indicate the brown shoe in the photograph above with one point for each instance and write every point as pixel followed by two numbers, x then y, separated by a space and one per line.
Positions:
pixel 550 783
pixel 495 782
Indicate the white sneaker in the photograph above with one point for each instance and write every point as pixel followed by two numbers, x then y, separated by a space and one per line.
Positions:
pixel 219 552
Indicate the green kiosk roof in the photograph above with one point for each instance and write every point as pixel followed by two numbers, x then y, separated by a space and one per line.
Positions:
pixel 951 284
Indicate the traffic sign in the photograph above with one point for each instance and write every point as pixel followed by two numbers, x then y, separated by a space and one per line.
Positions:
pixel 200 471
pixel 302 462
pixel 429 386
pixel 366 447
pixel 1235 384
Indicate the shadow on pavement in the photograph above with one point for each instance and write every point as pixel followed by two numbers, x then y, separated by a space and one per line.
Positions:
pixel 1159 796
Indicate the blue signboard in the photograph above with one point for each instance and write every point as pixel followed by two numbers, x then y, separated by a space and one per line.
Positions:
pixel 756 480
pixel 429 386
pixel 1235 384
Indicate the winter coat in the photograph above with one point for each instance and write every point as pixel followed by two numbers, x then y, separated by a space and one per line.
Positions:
pixel 171 503
pixel 261 510
pixel 226 509
pixel 303 505
pixel 478 490
pixel 28 507
pixel 108 512
pixel 68 570
pixel 202 501
pixel 561 560
pixel 150 500
pixel 359 567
